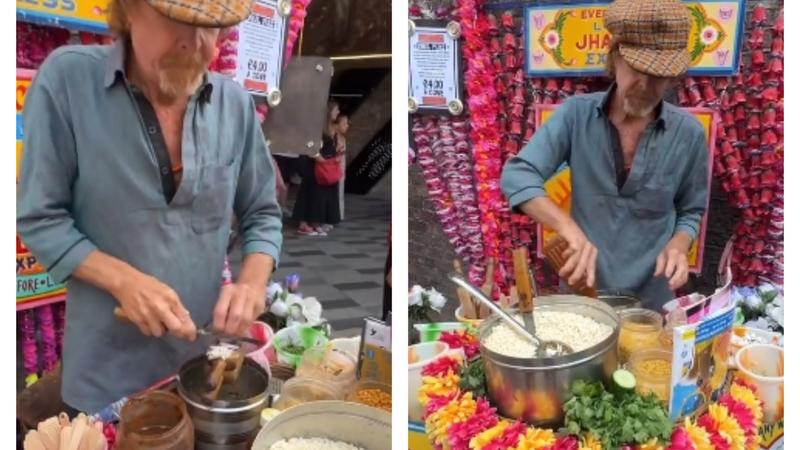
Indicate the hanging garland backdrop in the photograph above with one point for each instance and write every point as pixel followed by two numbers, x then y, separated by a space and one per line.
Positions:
pixel 501 114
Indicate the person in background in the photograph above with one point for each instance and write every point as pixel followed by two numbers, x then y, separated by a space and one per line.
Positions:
pixel 639 165
pixel 316 204
pixel 341 125
pixel 136 158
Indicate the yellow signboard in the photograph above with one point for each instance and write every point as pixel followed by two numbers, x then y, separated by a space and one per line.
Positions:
pixel 84 15
pixel 565 40
pixel 559 186
pixel 34 284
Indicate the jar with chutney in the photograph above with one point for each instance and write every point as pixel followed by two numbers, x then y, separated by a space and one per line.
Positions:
pixel 639 329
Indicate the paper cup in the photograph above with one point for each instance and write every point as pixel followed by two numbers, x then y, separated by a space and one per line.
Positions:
pixel 762 366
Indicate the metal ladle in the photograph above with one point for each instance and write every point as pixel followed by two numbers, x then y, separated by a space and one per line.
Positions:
pixel 544 349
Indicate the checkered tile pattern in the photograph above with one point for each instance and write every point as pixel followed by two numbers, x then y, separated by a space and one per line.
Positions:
pixel 343 270
pixel 653 34
pixel 204 13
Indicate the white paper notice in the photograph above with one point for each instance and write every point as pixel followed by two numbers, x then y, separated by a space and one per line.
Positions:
pixel 433 68
pixel 261 44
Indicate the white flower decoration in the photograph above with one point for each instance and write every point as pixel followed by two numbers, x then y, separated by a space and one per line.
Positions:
pixel 551 39
pixel 274 290
pixel 415 296
pixel 436 300
pixel 709 35
pixel 279 308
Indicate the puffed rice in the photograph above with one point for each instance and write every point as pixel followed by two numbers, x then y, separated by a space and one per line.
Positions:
pixel 575 330
pixel 312 444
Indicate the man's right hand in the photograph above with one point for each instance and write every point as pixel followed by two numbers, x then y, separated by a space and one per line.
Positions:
pixel 153 306
pixel 581 256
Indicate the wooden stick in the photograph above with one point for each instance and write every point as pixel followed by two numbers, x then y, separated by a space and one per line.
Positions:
pixel 233 367
pixel 522 279
pixel 467 306
pixel 488 283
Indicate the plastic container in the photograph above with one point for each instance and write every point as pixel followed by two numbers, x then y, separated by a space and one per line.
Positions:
pixel 357 394
pixel 297 391
pixel 475 323
pixel 351 346
pixel 762 366
pixel 327 364
pixel 265 355
pixel 156 421
pixel 639 329
pixel 744 336
pixel 419 356
pixel 298 336
pixel 653 371
pixel 430 332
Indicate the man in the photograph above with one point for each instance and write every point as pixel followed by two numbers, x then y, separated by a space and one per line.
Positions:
pixel 639 166
pixel 135 160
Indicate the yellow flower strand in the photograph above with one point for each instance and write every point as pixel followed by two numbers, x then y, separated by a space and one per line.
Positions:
pixel 588 442
pixel 698 435
pixel 748 397
pixel 536 439
pixel 437 386
pixel 458 410
pixel 485 437
pixel 652 444
pixel 727 426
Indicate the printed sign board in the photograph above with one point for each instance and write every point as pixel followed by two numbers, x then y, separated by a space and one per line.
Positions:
pixel 571 40
pixel 82 15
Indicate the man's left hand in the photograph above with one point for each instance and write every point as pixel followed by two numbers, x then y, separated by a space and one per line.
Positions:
pixel 673 264
pixel 238 306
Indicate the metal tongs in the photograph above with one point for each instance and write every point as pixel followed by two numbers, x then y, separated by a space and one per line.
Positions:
pixel 544 349
pixel 119 314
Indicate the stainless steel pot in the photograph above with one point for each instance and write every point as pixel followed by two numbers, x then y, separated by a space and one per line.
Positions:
pixel 534 389
pixel 232 421
pixel 355 424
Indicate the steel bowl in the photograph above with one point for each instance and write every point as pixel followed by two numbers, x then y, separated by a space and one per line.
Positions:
pixel 535 389
pixel 232 421
pixel 355 424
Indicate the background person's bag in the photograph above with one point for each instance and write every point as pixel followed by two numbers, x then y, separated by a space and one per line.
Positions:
pixel 328 171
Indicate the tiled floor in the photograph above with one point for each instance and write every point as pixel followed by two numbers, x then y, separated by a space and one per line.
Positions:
pixel 343 270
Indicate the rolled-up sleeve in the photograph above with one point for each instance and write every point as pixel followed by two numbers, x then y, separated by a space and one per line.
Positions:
pixel 49 167
pixel 524 175
pixel 256 204
pixel 691 200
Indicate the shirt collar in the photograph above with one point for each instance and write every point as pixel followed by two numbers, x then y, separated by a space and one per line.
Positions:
pixel 603 103
pixel 116 67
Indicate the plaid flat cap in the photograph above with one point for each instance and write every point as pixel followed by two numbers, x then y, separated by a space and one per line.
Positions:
pixel 653 35
pixel 204 13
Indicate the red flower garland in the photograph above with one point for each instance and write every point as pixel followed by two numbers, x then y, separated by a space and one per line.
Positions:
pixel 484 112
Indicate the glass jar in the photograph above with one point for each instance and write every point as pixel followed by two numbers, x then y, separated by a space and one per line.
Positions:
pixel 639 329
pixel 156 421
pixel 304 390
pixel 653 371
pixel 330 365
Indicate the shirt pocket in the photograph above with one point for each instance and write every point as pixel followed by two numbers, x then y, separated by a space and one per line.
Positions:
pixel 652 202
pixel 214 199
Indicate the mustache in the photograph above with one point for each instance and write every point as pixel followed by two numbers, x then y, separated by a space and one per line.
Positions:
pixel 192 61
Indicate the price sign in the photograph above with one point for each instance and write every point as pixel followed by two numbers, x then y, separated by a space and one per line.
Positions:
pixel 33 282
pixel 434 78
pixel 262 40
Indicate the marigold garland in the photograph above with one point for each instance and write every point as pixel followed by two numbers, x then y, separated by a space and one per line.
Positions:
pixel 457 421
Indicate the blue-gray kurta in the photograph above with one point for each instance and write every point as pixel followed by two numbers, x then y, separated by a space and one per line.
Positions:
pixel 666 190
pixel 90 179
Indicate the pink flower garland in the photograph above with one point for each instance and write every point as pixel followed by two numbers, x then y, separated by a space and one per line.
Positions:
pixel 484 112
pixel 29 352
pixel 48 333
pixel 749 156
pixel 459 434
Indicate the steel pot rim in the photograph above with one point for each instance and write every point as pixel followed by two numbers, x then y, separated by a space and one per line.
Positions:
pixel 554 302
pixel 222 406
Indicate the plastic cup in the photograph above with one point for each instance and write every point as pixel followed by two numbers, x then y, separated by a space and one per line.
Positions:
pixel 421 355
pixel 762 366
